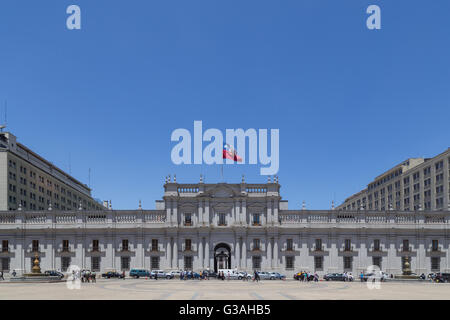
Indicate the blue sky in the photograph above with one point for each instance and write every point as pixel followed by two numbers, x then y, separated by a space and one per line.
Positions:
pixel 349 102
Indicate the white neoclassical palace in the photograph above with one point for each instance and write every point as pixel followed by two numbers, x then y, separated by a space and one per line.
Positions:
pixel 244 226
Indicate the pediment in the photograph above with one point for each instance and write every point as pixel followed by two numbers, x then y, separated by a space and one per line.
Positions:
pixel 222 191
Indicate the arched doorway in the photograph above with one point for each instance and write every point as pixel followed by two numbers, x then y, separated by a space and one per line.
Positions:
pixel 222 257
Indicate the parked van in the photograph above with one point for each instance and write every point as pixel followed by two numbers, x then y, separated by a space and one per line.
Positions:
pixel 136 273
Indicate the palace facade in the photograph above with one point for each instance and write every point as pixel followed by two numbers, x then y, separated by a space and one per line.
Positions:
pixel 244 226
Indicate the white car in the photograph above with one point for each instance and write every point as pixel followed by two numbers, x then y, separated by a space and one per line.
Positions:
pixel 175 274
pixel 161 274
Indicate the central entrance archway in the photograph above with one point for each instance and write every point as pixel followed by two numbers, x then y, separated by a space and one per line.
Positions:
pixel 222 257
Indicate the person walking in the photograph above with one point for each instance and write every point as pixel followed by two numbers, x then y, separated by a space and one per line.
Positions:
pixel 156 275
pixel 361 276
pixel 1 275
pixel 123 274
pixel 14 273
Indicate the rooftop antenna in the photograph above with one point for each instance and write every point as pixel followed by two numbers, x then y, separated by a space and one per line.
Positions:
pixel 89 183
pixel 70 165
pixel 3 126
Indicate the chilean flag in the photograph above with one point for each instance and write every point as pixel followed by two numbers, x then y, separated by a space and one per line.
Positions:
pixel 230 153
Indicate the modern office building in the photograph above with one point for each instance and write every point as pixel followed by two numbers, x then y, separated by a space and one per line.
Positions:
pixel 244 226
pixel 30 182
pixel 414 184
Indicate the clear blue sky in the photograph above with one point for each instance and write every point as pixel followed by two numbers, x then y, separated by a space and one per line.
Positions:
pixel 349 102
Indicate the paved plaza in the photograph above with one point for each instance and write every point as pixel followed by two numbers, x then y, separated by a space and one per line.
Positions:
pixel 223 290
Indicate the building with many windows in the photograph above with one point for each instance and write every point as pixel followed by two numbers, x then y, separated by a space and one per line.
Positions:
pixel 29 182
pixel 244 226
pixel 414 184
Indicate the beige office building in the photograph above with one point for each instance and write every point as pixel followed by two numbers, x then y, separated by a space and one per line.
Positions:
pixel 413 185
pixel 30 182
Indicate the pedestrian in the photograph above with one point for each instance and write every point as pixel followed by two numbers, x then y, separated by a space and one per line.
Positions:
pixel 1 275
pixel 156 275
pixel 123 274
pixel 361 276
pixel 14 273
pixel 94 277
pixel 228 276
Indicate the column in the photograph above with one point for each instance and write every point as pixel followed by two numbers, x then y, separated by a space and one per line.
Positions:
pixel 275 211
pixel 169 211
pixel 200 253
pixel 269 212
pixel 206 213
pixel 244 211
pixel 275 252
pixel 169 252
pixel 175 253
pixel 175 212
pixel 244 253
pixel 269 253
pixel 200 212
pixel 237 253
pixel 207 253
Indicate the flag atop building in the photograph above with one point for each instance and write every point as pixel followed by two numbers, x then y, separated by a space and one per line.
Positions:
pixel 230 153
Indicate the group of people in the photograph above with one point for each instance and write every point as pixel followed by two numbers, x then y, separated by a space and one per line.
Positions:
pixel 84 276
pixel 305 276
pixel 186 275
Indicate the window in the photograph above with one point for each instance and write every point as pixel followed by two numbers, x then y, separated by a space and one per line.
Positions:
pixel 376 261
pixel 65 245
pixel 187 219
pixel 4 245
pixel 125 263
pixel 256 219
pixel 289 245
pixel 318 263
pixel 376 245
pixel 348 263
pixel 289 262
pixel 435 245
pixel 155 245
pixel 256 262
pixel 95 263
pixel 154 263
pixel 188 263
pixel 5 264
pixel 95 245
pixel 318 245
pixel 435 263
pixel 256 244
pixel 65 263
pixel 222 221
pixel 187 245
pixel 348 245
pixel 405 245
pixel 125 245
pixel 35 246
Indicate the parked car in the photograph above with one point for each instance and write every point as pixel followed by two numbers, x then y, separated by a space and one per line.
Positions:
pixel 54 273
pixel 112 274
pixel 136 273
pixel 175 273
pixel 334 277
pixel 264 275
pixel 276 276
pixel 161 274
pixel 241 275
pixel 210 273
pixel 382 276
